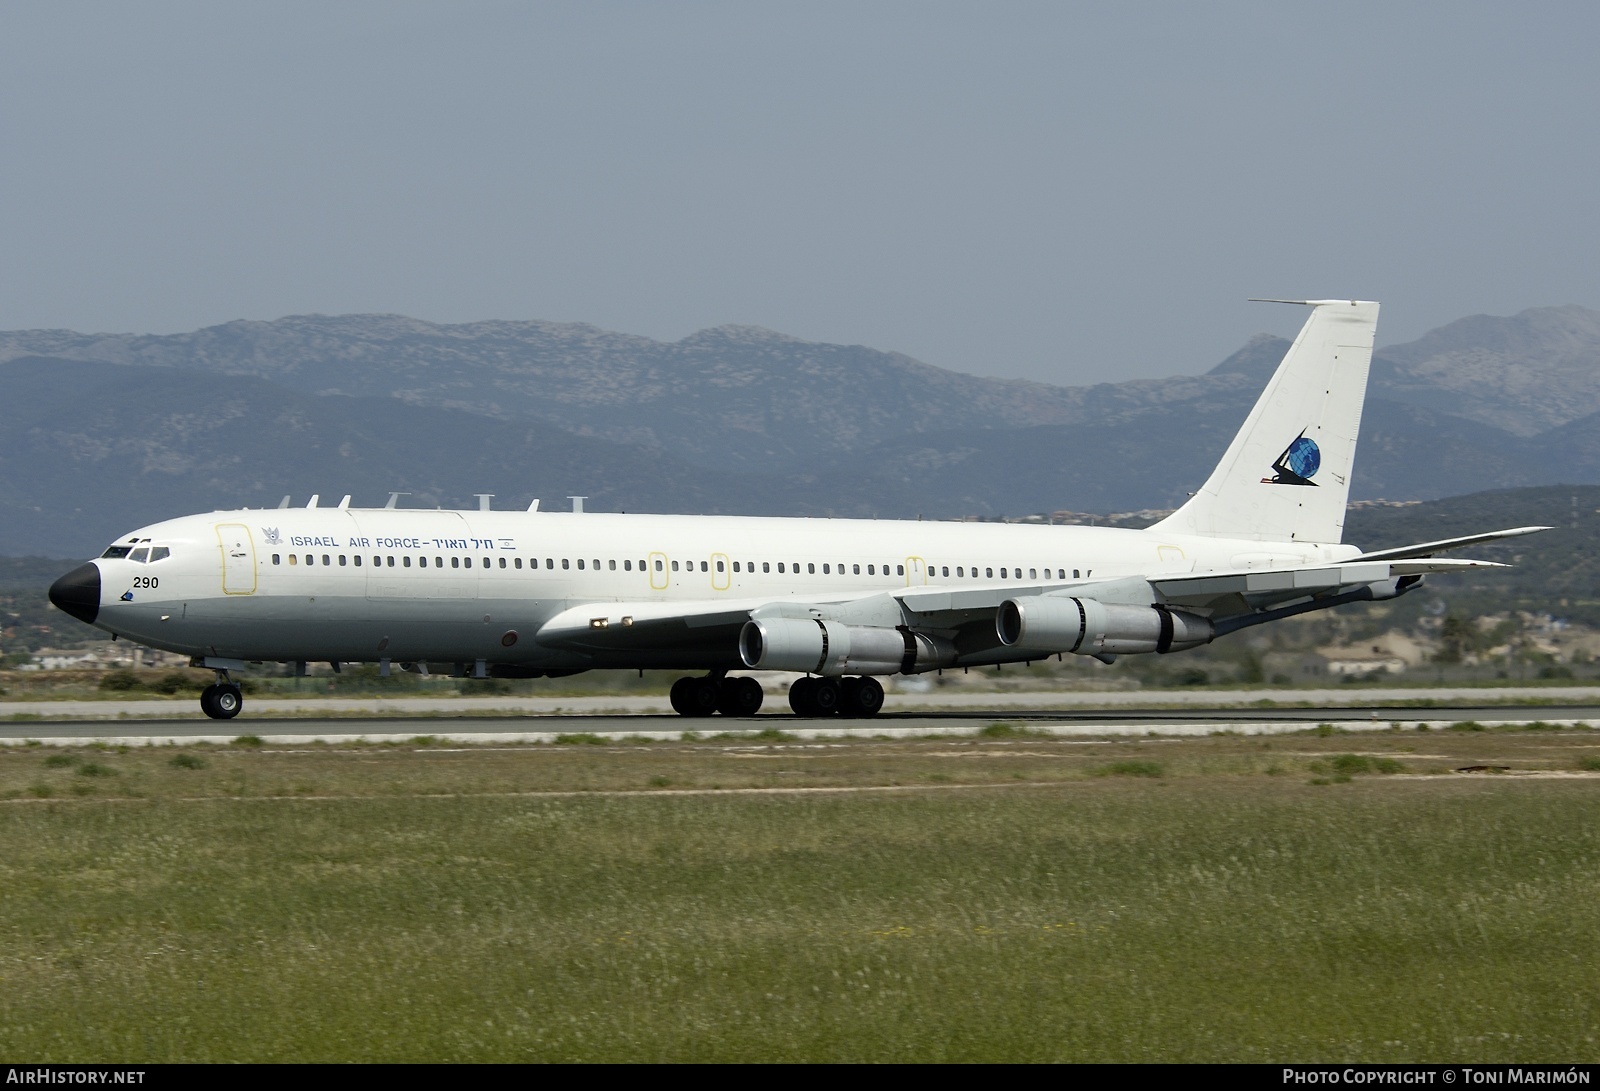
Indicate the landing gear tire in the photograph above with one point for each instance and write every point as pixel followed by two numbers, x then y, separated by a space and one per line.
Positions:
pixel 826 697
pixel 678 696
pixel 800 696
pixel 860 697
pixel 739 697
pixel 221 701
pixel 694 696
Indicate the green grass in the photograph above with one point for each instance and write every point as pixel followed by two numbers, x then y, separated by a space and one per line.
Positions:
pixel 1213 914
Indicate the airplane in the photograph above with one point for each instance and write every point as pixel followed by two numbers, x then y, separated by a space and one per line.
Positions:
pixel 840 602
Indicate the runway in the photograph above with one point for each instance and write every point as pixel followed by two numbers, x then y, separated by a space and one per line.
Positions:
pixel 470 727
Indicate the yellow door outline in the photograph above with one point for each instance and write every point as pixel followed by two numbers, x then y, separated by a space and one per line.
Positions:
pixel 658 571
pixel 238 559
pixel 916 571
pixel 721 572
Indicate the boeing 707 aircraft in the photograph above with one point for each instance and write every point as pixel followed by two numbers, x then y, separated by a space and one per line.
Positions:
pixel 841 602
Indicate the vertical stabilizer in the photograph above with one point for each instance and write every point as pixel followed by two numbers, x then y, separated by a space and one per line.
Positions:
pixel 1286 475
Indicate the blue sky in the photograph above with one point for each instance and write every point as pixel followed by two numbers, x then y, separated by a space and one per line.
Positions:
pixel 1072 193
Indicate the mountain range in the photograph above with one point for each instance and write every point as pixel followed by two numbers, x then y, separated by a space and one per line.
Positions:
pixel 99 433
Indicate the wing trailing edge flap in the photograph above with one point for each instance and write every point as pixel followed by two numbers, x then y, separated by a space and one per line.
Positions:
pixel 1213 593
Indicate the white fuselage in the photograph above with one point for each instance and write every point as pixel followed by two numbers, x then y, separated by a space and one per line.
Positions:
pixel 367 585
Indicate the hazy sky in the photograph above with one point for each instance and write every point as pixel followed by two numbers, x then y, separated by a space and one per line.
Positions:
pixel 1073 193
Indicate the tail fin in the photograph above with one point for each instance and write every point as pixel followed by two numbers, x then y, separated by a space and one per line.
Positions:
pixel 1286 475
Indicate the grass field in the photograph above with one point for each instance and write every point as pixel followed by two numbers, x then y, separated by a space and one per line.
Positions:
pixel 1305 897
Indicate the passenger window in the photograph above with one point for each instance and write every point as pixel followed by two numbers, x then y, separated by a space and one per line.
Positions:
pixel 1003 573
pixel 1075 574
pixel 326 560
pixel 502 562
pixel 357 559
pixel 293 559
pixel 1032 574
pixel 486 562
pixel 455 562
pixel 311 558
pixel 766 566
pixel 422 562
pixel 580 564
pixel 720 567
pixel 825 570
pixel 811 568
pixel 944 570
pixel 405 562
pixel 872 570
pixel 899 570
pixel 674 565
pixel 565 563
pixel 341 560
pixel 780 566
pixel 627 566
pixel 855 570
pixel 518 562
pixel 275 558
pixel 959 572
pixel 988 573
pixel 658 566
pixel 390 561
pixel 549 562
pixel 704 567
pixel 611 566
pixel 735 566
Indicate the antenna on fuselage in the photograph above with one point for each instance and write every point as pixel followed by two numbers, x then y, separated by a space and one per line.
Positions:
pixel 344 505
pixel 535 505
pixel 577 504
pixel 284 502
pixel 394 499
pixel 483 500
pixel 313 501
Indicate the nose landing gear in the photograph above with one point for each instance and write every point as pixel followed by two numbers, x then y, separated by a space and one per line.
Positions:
pixel 223 699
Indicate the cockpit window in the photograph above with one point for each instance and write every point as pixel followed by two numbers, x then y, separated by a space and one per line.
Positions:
pixel 140 555
pixel 116 553
pixel 159 553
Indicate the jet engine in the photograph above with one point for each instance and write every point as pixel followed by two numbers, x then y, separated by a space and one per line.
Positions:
pixel 1090 627
pixel 829 648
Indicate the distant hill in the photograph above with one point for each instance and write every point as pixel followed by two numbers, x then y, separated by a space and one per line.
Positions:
pixel 102 432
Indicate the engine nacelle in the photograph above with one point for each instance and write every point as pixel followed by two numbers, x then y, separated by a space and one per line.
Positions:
pixel 829 648
pixel 1090 627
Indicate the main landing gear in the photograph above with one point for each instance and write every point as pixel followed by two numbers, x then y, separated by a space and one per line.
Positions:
pixel 703 696
pixel 853 697
pixel 221 700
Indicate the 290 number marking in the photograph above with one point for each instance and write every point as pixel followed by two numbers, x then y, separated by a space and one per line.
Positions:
pixel 147 581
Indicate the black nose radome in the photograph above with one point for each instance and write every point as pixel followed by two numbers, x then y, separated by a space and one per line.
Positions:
pixel 78 592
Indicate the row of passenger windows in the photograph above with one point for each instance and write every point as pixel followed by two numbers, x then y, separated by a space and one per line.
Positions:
pixel 828 568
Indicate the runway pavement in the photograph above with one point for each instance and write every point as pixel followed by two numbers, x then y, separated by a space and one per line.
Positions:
pixel 509 721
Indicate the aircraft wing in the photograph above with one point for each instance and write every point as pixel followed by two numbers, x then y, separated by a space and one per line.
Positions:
pixel 1230 599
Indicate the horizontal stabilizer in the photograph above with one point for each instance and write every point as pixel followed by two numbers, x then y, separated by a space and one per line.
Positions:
pixel 1428 549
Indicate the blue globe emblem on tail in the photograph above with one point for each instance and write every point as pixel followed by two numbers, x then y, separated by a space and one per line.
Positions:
pixel 1303 457
pixel 1298 464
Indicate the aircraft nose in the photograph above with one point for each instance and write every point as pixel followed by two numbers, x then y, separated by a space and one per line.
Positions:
pixel 78 592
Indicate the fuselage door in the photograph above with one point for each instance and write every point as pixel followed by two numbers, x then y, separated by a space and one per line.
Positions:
pixel 916 572
pixel 658 571
pixel 238 559
pixel 721 572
